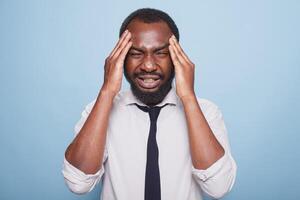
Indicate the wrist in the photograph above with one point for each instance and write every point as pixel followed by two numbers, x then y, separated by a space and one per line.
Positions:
pixel 188 98
pixel 106 94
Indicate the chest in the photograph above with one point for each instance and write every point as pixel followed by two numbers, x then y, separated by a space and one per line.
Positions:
pixel 129 130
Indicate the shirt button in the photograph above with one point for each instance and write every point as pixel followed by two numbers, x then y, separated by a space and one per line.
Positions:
pixel 202 177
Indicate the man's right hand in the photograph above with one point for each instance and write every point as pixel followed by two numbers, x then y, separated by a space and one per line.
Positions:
pixel 113 69
pixel 87 148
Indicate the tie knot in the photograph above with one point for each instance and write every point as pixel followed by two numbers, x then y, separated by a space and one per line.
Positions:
pixel 152 110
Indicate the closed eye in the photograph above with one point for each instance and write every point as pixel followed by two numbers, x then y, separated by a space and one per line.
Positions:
pixel 135 54
pixel 162 53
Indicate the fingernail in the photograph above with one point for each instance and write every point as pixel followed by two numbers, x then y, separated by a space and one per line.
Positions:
pixel 126 31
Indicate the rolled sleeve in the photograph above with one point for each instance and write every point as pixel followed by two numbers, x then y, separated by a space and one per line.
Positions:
pixel 76 180
pixel 218 179
pixel 79 182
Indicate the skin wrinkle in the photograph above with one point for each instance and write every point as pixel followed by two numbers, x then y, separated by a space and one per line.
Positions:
pixel 205 149
pixel 150 46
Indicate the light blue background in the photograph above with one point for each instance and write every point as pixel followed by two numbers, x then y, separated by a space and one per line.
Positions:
pixel 247 60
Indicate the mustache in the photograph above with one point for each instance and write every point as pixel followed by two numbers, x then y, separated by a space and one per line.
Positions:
pixel 161 76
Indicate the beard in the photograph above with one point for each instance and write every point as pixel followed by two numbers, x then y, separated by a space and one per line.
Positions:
pixel 150 98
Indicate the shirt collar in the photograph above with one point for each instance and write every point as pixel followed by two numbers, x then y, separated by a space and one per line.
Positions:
pixel 171 98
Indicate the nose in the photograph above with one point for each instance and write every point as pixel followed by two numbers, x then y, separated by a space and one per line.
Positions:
pixel 149 64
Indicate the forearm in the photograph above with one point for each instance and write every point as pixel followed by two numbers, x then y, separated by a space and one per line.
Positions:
pixel 205 148
pixel 87 149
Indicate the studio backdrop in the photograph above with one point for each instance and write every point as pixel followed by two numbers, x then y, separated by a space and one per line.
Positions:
pixel 247 57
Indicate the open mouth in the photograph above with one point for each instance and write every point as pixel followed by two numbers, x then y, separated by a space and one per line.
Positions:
pixel 148 81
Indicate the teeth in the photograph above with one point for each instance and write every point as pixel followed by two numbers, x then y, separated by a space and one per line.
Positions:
pixel 148 80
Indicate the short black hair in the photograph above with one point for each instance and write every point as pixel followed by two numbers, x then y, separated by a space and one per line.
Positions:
pixel 150 15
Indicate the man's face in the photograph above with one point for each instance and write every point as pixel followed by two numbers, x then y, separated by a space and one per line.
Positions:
pixel 148 65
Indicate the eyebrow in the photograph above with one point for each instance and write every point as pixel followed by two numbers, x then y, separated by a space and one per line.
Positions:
pixel 156 49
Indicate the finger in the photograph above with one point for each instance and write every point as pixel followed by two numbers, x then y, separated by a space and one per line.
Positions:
pixel 122 45
pixel 125 51
pixel 177 52
pixel 174 58
pixel 182 53
pixel 119 42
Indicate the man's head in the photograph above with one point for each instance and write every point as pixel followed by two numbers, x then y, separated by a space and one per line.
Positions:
pixel 148 65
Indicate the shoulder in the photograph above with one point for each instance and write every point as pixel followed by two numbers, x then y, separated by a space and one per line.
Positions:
pixel 209 108
pixel 119 99
pixel 88 108
pixel 206 104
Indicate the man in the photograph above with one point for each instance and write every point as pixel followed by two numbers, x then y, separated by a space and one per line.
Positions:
pixel 185 153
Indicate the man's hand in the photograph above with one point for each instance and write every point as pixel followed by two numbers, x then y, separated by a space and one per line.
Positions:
pixel 87 148
pixel 113 69
pixel 184 70
pixel 204 147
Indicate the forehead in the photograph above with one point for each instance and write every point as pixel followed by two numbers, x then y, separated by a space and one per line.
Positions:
pixel 149 35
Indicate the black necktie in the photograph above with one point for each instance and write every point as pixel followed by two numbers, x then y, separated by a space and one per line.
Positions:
pixel 152 178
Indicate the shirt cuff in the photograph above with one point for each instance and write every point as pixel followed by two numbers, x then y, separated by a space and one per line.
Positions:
pixel 78 181
pixel 80 175
pixel 212 170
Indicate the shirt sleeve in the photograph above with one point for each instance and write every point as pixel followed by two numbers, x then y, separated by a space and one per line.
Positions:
pixel 76 180
pixel 218 179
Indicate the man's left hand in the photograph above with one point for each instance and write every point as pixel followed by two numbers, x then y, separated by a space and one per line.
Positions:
pixel 184 70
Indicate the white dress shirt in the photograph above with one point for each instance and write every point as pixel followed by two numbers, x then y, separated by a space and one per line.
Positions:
pixel 124 162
